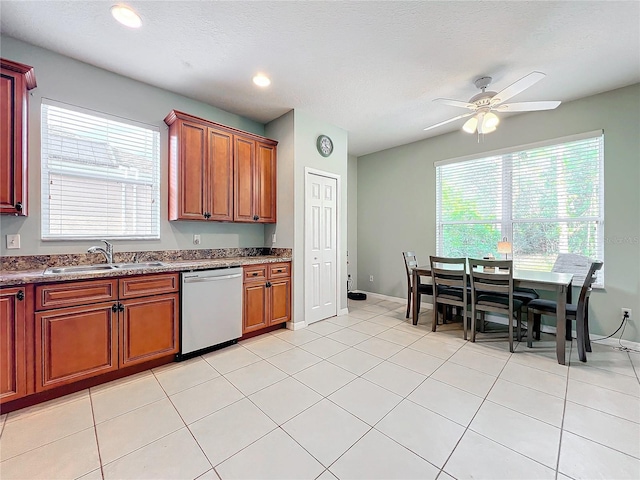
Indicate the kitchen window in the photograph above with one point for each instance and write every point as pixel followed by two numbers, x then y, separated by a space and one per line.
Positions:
pixel 100 176
pixel 546 199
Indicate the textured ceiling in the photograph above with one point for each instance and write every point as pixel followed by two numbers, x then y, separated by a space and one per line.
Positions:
pixel 371 68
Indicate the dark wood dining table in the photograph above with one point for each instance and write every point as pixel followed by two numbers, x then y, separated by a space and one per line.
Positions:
pixel 560 283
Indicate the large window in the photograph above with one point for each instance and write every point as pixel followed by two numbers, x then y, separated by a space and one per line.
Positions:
pixel 546 199
pixel 100 176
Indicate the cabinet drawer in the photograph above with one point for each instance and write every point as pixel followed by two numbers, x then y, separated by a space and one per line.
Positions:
pixel 255 272
pixel 148 285
pixel 279 270
pixel 75 293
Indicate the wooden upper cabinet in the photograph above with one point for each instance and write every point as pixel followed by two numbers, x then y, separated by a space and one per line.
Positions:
pixel 244 180
pixel 220 186
pixel 188 171
pixel 16 80
pixel 219 173
pixel 13 361
pixel 265 183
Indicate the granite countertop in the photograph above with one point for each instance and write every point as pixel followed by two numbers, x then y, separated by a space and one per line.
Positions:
pixel 23 277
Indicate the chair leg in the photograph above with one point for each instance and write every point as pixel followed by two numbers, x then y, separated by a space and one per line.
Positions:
pixel 473 323
pixel 580 337
pixel 464 322
pixel 587 341
pixel 481 322
pixel 511 333
pixel 519 326
pixel 567 335
pixel 530 323
pixel 434 321
pixel 537 321
pixel 419 302
pixel 408 302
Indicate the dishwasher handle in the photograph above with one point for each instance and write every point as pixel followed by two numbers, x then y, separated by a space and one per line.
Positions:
pixel 210 279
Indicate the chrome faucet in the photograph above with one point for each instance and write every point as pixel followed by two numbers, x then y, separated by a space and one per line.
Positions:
pixel 107 251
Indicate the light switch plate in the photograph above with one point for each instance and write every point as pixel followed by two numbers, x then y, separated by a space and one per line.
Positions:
pixel 196 239
pixel 13 241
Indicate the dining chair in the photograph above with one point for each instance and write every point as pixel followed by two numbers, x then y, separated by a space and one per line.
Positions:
pixel 492 291
pixel 410 262
pixel 575 311
pixel 449 287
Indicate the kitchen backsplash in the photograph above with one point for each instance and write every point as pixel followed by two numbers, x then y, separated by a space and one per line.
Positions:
pixel 34 262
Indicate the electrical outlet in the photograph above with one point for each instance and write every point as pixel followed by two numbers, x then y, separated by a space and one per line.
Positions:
pixel 371 278
pixel 13 241
pixel 196 239
pixel 273 238
pixel 626 310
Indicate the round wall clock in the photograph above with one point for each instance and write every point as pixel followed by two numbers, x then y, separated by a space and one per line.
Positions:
pixel 325 145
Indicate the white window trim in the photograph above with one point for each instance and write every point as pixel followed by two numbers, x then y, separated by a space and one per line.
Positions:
pixel 47 237
pixel 506 222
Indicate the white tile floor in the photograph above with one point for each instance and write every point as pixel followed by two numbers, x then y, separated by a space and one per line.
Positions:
pixel 366 396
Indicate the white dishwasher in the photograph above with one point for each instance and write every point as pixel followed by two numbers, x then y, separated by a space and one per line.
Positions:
pixel 211 309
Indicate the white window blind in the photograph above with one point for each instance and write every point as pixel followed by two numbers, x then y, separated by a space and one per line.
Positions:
pixel 546 200
pixel 100 176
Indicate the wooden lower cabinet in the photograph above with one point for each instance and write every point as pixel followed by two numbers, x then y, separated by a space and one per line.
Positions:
pixel 280 301
pixel 148 329
pixel 13 345
pixel 86 338
pixel 254 305
pixel 75 343
pixel 267 296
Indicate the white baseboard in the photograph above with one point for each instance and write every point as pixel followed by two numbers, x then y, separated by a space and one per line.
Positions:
pixel 402 301
pixel 295 325
pixel 613 342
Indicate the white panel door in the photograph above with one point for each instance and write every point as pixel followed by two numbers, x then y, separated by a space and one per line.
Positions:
pixel 321 254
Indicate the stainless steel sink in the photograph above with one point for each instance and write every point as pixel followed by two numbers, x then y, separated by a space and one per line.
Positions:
pixel 101 267
pixel 139 265
pixel 80 268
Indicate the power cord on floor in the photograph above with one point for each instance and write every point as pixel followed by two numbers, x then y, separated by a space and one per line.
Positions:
pixel 623 325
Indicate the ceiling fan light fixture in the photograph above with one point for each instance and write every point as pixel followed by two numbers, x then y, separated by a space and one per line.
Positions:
pixel 470 125
pixel 490 122
pixel 126 16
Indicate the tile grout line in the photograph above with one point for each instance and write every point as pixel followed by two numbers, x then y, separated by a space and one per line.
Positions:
pixel 95 432
pixel 564 411
pixel 466 429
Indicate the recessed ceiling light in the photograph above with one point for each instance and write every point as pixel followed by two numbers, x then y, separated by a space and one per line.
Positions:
pixel 126 16
pixel 261 80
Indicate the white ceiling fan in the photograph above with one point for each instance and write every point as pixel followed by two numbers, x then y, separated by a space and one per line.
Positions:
pixel 484 104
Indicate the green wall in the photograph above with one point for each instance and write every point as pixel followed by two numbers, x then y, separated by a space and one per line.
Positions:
pixel 66 80
pixel 396 197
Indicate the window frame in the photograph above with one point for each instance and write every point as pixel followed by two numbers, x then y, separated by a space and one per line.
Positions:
pixel 505 221
pixel 121 177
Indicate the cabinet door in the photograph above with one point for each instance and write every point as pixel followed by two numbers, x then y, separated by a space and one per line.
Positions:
pixel 220 175
pixel 75 343
pixel 13 362
pixel 280 301
pixel 265 183
pixel 244 160
pixel 192 165
pixel 148 329
pixel 254 306
pixel 13 155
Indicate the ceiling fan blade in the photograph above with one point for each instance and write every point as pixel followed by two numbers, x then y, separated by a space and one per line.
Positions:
pixel 450 120
pixel 527 106
pixel 455 103
pixel 517 87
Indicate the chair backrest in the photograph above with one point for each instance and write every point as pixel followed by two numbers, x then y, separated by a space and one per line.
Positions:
pixel 410 262
pixel 495 277
pixel 589 280
pixel 448 272
pixel 573 263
